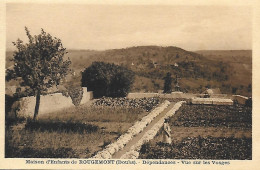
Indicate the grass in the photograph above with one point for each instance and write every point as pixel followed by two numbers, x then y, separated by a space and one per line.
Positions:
pixel 81 145
pixel 77 132
pixel 85 113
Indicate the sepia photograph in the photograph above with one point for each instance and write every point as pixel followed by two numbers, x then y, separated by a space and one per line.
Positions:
pixel 130 82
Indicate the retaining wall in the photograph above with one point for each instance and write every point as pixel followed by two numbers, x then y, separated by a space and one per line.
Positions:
pixel 48 103
pixel 212 101
pixel 162 95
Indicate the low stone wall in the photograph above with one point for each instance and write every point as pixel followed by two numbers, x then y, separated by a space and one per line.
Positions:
pixel 48 103
pixel 240 99
pixel 212 101
pixel 224 96
pixel 162 95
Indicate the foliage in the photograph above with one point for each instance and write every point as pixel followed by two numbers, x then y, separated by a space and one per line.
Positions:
pixel 167 83
pixel 106 79
pixel 38 64
pixel 76 94
pixel 9 101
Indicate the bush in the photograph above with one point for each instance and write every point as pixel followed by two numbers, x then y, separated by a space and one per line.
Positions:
pixel 106 79
pixel 76 95
pixel 9 101
pixel 75 92
pixel 167 83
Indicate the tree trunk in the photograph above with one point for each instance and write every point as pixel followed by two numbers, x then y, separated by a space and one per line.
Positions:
pixel 37 105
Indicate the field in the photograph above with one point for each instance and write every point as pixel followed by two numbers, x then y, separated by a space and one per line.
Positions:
pixel 76 132
pixel 205 132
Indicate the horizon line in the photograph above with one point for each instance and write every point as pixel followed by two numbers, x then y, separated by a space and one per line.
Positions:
pixel 80 49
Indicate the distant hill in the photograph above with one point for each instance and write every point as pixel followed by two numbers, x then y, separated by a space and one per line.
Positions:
pixel 240 63
pixel 231 71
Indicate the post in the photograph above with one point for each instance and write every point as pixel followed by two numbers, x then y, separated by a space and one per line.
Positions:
pixel 37 105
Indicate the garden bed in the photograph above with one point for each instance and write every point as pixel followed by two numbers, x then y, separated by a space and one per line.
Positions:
pixel 237 116
pixel 200 148
pixel 205 132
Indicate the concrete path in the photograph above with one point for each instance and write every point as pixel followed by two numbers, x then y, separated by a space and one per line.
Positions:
pixel 135 139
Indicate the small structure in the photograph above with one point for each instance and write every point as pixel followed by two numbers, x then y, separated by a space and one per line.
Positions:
pixel 213 93
pixel 210 92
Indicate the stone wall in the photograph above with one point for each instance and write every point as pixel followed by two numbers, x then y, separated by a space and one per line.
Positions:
pixel 162 95
pixel 48 103
pixel 212 101
pixel 176 95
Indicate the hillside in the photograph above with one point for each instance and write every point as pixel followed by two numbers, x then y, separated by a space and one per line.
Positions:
pixel 240 63
pixel 231 71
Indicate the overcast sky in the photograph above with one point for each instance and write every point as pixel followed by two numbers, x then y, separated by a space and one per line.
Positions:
pixel 102 27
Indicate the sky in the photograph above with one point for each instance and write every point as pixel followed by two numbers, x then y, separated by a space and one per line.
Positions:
pixel 100 27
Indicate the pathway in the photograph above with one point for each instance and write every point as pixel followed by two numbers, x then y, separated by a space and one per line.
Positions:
pixel 135 139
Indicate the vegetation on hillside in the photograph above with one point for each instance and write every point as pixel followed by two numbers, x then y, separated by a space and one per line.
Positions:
pixel 231 71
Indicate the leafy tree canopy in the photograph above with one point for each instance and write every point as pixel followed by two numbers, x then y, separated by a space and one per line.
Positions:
pixel 38 64
pixel 106 79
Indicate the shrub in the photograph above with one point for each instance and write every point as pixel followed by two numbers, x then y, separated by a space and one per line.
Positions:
pixel 167 83
pixel 75 92
pixel 9 101
pixel 76 95
pixel 106 79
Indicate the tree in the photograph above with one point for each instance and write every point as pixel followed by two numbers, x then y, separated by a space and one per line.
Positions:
pixel 167 83
pixel 234 90
pixel 39 64
pixel 106 79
